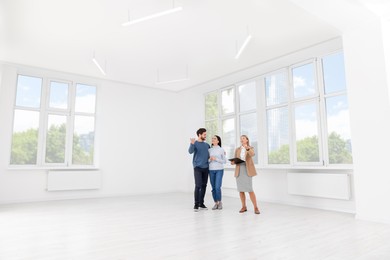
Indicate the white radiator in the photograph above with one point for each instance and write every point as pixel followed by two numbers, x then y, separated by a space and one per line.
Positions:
pixel 73 180
pixel 324 185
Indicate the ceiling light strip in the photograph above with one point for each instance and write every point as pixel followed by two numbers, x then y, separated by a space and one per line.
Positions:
pixel 248 38
pixel 170 11
pixel 99 67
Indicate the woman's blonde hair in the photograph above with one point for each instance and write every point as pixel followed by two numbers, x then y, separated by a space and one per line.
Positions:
pixel 246 137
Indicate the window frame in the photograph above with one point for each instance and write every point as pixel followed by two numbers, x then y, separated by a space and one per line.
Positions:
pixel 61 112
pixel 265 108
pixel 232 86
pixel 217 118
pixel 227 116
pixel 323 98
pixel 291 79
pixel 44 111
pixel 294 145
pixel 318 98
pixel 239 113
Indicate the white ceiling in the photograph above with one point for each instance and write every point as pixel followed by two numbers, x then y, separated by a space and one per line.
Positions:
pixel 63 36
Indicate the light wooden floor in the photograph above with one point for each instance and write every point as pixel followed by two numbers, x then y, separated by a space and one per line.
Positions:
pixel 165 227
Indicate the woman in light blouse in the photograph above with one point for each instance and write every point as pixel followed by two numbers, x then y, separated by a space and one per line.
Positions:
pixel 216 166
pixel 244 173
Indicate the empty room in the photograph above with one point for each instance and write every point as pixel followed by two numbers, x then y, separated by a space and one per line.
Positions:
pixel 194 129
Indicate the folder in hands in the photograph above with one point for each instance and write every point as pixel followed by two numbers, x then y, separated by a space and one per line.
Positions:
pixel 236 160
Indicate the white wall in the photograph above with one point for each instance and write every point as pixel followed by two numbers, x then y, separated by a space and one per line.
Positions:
pixel 368 90
pixel 386 47
pixel 270 185
pixel 135 135
pixel 1 74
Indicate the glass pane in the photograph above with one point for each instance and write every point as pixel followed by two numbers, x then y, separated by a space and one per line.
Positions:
pixel 303 81
pixel 247 93
pixel 278 136
pixel 339 133
pixel 276 89
pixel 55 139
pixel 211 105
pixel 334 74
pixel 85 98
pixel 83 140
pixel 212 129
pixel 28 92
pixel 58 95
pixel 25 137
pixel 228 101
pixel 306 129
pixel 248 127
pixel 229 137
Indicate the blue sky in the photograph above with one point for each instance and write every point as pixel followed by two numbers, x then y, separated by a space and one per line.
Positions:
pixel 29 92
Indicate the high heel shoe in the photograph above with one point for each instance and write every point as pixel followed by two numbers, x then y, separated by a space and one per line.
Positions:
pixel 257 211
pixel 243 209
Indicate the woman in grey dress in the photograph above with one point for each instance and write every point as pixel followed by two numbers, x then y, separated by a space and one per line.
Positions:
pixel 244 173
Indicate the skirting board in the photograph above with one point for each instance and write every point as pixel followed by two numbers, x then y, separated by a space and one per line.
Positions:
pixel 73 180
pixel 323 185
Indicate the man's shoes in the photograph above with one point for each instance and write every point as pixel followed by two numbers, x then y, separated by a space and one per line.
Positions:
pixel 215 206
pixel 202 206
pixel 196 208
pixel 220 205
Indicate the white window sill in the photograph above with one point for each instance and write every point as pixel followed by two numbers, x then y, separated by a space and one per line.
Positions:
pixel 301 167
pixel 38 168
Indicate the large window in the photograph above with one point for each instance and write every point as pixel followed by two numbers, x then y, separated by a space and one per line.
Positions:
pixel 229 136
pixel 307 147
pixel 26 120
pixel 295 116
pixel 305 111
pixel 276 99
pixel 54 123
pixel 337 114
pixel 228 119
pixel 212 114
pixel 247 115
pixel 238 104
pixel 304 83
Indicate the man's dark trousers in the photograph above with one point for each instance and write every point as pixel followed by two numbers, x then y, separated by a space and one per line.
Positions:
pixel 201 176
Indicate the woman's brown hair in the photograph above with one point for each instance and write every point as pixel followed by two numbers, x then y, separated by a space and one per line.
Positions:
pixel 246 137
